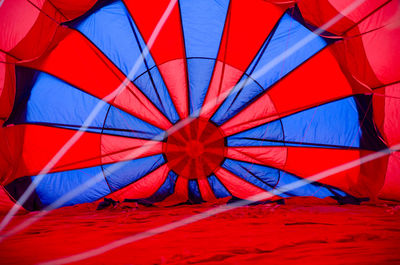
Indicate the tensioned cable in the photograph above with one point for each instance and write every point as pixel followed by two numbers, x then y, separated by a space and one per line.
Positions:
pixel 89 119
pixel 73 193
pixel 222 208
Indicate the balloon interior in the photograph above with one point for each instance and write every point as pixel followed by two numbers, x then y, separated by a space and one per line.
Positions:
pixel 193 102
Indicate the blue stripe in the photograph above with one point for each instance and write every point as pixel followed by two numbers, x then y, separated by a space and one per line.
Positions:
pixel 113 31
pixel 286 35
pixel 219 190
pixel 53 101
pixel 312 189
pixel 131 171
pixel 269 178
pixel 55 185
pixel 265 134
pixel 333 125
pixel 166 189
pixel 203 25
pixel 194 192
pixel 199 74
pixel 264 177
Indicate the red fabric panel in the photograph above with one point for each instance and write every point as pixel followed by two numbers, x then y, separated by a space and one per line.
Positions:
pixel 168 46
pixel 237 186
pixel 378 104
pixel 180 194
pixel 258 112
pixel 390 126
pixel 321 85
pixel 27 38
pixel 11 142
pixel 117 148
pixel 391 187
pixel 381 46
pixel 71 9
pixel 287 97
pixel 7 88
pixel 174 75
pixel 305 162
pixel 41 143
pixel 247 27
pixel 372 59
pixel 372 177
pixel 319 12
pixel 79 63
pixel 270 156
pixel 246 20
pixel 392 114
pixel 206 193
pixel 144 187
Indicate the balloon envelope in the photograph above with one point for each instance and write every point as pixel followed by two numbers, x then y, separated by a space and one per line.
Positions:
pixel 261 116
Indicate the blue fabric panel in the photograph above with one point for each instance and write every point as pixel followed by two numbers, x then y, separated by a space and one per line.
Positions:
pixel 131 171
pixel 264 177
pixel 219 190
pixel 269 134
pixel 113 31
pixel 250 89
pixel 335 123
pixel 54 185
pixel 110 29
pixel 199 74
pixel 312 189
pixel 269 178
pixel 56 102
pixel 287 34
pixel 194 192
pixel 203 25
pixel 129 125
pixel 166 189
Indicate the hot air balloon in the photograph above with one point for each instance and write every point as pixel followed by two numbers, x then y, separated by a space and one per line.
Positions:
pixel 258 116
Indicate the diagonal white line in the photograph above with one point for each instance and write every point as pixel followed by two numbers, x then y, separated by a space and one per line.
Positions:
pixel 180 124
pixel 223 208
pixel 89 119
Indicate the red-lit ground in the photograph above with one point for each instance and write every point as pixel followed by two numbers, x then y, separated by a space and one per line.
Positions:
pixel 297 232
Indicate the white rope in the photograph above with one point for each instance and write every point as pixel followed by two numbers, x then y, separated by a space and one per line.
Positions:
pixel 223 208
pixel 176 127
pixel 89 119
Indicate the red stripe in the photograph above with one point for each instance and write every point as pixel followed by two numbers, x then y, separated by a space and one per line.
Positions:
pixel 206 193
pixel 144 187
pixel 26 38
pixel 41 143
pixel 305 162
pixel 246 29
pixel 237 186
pixel 7 88
pixel 117 148
pixel 307 86
pixel 79 63
pixel 391 185
pixel 180 193
pixel 168 50
pixel 271 156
